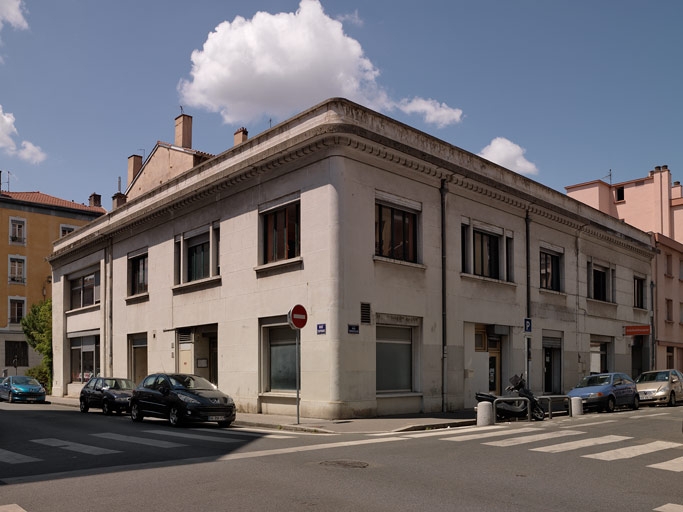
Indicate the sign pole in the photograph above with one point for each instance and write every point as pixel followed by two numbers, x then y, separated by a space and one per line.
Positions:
pixel 298 383
pixel 297 318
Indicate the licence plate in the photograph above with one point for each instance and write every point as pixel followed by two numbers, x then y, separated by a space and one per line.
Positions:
pixel 216 418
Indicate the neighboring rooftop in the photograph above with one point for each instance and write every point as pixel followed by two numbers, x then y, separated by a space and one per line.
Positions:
pixel 95 205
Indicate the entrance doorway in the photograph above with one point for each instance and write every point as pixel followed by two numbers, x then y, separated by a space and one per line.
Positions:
pixel 494 364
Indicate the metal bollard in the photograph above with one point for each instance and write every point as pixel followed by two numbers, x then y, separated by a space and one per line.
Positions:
pixel 484 413
pixel 577 406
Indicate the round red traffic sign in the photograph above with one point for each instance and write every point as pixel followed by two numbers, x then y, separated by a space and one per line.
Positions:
pixel 297 317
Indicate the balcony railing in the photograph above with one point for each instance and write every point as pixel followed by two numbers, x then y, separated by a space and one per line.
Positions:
pixel 17 279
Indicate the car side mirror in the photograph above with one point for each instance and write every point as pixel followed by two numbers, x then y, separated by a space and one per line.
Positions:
pixel 164 390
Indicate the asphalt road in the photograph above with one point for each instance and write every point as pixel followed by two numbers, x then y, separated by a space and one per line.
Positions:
pixel 56 459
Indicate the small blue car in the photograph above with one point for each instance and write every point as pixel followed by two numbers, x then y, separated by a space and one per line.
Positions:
pixel 19 388
pixel 606 392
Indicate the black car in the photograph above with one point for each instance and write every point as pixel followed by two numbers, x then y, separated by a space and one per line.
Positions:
pixel 181 398
pixel 111 394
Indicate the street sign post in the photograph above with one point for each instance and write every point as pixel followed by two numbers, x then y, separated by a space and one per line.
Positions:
pixel 297 318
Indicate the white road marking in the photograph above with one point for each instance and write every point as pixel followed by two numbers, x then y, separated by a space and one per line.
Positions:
pixel 15 458
pixel 11 508
pixel 74 447
pixel 484 435
pixel 138 440
pixel 267 434
pixel 637 417
pixel 297 449
pixel 669 507
pixel 584 443
pixel 514 441
pixel 670 465
pixel 449 431
pixel 187 435
pixel 633 451
pixel 591 424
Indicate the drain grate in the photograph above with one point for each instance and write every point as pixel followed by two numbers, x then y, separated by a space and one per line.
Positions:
pixel 355 464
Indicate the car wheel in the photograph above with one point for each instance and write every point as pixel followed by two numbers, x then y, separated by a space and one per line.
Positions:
pixel 672 400
pixel 106 408
pixel 84 405
pixel 538 413
pixel 636 402
pixel 174 416
pixel 224 424
pixel 610 404
pixel 135 412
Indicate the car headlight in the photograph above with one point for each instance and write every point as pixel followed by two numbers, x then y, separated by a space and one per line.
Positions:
pixel 662 391
pixel 595 395
pixel 230 401
pixel 187 399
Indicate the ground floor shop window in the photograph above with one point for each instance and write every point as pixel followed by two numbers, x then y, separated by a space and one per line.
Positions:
pixel 281 354
pixel 394 359
pixel 16 353
pixel 85 358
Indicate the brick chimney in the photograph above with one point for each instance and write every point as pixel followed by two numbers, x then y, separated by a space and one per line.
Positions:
pixel 95 200
pixel 183 131
pixel 241 135
pixel 118 199
pixel 134 166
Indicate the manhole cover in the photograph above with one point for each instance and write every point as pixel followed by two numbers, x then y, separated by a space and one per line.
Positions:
pixel 345 463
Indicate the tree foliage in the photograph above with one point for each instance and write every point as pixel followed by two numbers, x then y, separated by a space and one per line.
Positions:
pixel 37 327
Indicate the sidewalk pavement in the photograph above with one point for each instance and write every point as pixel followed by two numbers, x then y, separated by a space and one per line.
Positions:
pixel 401 423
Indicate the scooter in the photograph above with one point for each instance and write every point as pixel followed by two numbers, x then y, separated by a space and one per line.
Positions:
pixel 506 410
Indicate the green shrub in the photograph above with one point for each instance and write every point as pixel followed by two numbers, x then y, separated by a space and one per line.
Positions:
pixel 42 375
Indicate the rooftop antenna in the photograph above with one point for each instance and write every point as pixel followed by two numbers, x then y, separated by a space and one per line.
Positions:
pixel 608 175
pixel 119 184
pixel 181 110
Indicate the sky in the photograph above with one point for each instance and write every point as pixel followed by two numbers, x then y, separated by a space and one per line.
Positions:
pixel 563 91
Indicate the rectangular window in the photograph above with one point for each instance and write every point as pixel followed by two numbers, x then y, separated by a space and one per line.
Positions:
pixel 17 231
pixel 85 290
pixel 16 310
pixel 669 310
pixel 395 233
pixel 639 292
pixel 16 353
pixel 601 282
pixel 65 229
pixel 281 233
pixel 394 359
pixel 138 274
pixel 486 256
pixel 85 358
pixel 282 358
pixel 680 316
pixel 550 271
pixel 465 248
pixel 17 269
pixel 197 254
pixel 669 265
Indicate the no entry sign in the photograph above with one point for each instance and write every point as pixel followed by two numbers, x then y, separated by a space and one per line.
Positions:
pixel 297 317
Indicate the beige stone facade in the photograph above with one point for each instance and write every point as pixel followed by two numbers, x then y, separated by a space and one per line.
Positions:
pixel 417 263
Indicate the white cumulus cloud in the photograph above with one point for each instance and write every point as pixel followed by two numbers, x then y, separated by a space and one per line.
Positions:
pixel 273 65
pixel 28 151
pixel 11 12
pixel 509 155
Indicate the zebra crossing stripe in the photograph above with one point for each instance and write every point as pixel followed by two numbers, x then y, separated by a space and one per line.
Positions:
pixel 633 451
pixel 74 447
pixel 584 443
pixel 669 507
pixel 484 435
pixel 459 430
pixel 139 440
pixel 15 458
pixel 670 465
pixel 185 435
pixel 514 441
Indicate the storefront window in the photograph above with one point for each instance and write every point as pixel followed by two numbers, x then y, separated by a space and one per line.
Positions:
pixel 85 358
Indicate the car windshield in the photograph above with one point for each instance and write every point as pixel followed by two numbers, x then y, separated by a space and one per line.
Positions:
pixel 119 384
pixel 190 382
pixel 594 380
pixel 25 380
pixel 653 377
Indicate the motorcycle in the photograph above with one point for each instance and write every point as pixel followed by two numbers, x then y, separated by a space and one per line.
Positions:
pixel 507 410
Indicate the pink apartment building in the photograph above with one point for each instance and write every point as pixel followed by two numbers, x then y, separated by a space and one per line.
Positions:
pixel 654 204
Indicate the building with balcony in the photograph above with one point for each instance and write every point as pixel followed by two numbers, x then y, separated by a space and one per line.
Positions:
pixel 427 273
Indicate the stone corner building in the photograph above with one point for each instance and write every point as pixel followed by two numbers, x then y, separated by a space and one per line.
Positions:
pixel 417 262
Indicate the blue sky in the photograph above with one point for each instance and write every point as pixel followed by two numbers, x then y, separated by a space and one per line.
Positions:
pixel 560 91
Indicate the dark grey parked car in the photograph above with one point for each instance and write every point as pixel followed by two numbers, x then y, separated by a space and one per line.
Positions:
pixel 111 394
pixel 181 398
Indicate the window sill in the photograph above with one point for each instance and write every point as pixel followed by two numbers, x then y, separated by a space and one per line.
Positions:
pixel 199 284
pixel 84 309
pixel 598 301
pixel 278 394
pixel 278 266
pixel 552 292
pixel 399 262
pixel 136 299
pixel 399 394
pixel 487 279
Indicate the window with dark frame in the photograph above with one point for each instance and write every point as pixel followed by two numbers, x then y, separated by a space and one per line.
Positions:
pixel 17 270
pixel 16 310
pixel 18 231
pixel 550 271
pixel 281 233
pixel 138 266
pixel 198 257
pixel 394 359
pixel 486 254
pixel 395 233
pixel 85 290
pixel 639 292
pixel 16 352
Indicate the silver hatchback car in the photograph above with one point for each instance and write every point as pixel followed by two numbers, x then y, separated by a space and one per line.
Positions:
pixel 660 387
